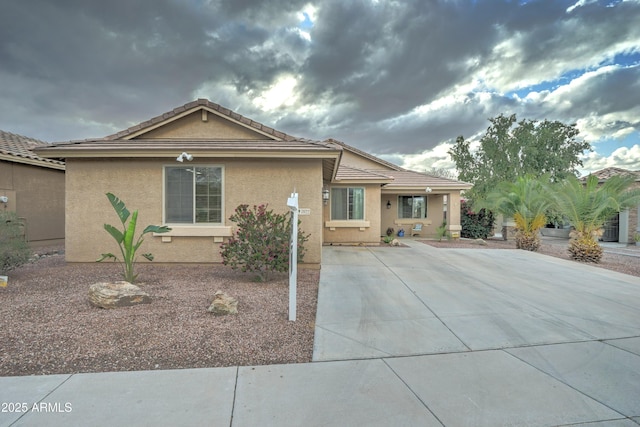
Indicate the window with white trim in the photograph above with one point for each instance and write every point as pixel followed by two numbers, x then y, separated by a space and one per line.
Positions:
pixel 412 207
pixel 193 194
pixel 347 203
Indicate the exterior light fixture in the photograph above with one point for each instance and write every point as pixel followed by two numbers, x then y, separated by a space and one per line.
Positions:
pixel 388 204
pixel 325 195
pixel 184 156
pixel 428 189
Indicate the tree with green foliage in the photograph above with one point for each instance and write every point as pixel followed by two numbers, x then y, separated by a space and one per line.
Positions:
pixel 511 149
pixel 588 205
pixel 261 242
pixel 14 250
pixel 125 238
pixel 526 201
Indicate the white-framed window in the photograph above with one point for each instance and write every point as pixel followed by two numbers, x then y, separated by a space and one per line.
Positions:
pixel 193 194
pixel 412 207
pixel 347 203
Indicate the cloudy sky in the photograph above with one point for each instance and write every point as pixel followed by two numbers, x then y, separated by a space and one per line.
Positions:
pixel 399 79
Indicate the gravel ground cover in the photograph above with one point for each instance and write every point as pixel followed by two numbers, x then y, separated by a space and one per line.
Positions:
pixel 48 327
pixel 611 261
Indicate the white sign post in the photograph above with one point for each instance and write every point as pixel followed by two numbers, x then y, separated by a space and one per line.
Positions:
pixel 292 203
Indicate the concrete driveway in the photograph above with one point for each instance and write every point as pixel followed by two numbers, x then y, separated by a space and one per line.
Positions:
pixel 496 337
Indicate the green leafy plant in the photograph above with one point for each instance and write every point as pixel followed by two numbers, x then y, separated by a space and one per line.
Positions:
pixel 261 242
pixel 14 250
pixel 125 238
pixel 441 231
pixel 387 239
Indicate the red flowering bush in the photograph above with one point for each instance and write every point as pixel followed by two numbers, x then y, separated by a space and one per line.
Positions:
pixel 475 225
pixel 261 242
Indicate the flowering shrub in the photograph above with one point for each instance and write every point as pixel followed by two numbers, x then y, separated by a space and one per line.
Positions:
pixel 475 225
pixel 261 242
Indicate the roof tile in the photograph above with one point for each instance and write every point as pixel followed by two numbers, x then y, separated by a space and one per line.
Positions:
pixel 21 147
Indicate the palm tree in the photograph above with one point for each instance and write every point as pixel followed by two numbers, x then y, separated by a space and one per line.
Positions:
pixel 526 201
pixel 587 206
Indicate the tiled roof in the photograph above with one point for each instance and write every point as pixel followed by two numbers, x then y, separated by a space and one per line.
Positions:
pixel 19 148
pixel 351 173
pixel 209 105
pixel 607 173
pixel 406 179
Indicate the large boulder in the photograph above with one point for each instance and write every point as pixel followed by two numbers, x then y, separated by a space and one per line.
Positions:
pixel 117 294
pixel 223 304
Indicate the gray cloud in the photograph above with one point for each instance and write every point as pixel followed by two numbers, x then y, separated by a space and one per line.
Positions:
pixel 393 78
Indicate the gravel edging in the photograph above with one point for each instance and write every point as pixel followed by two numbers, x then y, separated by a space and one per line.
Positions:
pixel 47 325
pixel 610 261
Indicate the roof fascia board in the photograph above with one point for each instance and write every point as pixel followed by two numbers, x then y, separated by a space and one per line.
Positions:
pixel 421 189
pixel 61 153
pixel 32 162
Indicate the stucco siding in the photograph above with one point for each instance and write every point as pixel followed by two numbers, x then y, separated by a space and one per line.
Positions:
pixel 37 195
pixel 139 183
pixel 390 216
pixel 193 127
pixel 355 160
pixel 356 231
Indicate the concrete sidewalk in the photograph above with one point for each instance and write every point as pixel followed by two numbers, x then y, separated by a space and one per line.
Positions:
pixel 404 336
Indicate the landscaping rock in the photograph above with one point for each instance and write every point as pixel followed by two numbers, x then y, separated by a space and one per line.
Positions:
pixel 395 242
pixel 480 242
pixel 223 304
pixel 117 294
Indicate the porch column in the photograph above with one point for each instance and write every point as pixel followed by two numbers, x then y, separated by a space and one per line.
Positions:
pixel 453 214
pixel 623 226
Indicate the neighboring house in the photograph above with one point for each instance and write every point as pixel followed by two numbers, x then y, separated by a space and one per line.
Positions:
pixel 33 187
pixel 623 227
pixel 345 195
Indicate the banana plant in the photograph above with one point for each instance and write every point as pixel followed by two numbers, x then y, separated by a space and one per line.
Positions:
pixel 125 238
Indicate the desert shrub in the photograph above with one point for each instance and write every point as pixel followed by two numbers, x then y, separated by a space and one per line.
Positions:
pixel 475 225
pixel 14 250
pixel 261 242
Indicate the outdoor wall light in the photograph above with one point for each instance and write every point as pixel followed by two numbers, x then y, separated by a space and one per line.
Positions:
pixel 388 204
pixel 428 189
pixel 325 195
pixel 184 156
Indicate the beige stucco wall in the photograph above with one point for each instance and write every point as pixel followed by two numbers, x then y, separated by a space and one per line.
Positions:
pixel 37 195
pixel 355 160
pixel 139 184
pixel 430 223
pixel 193 127
pixel 355 231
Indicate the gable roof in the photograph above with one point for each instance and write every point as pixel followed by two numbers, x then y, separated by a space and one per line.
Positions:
pixel 189 108
pixel 131 142
pixel 364 154
pixel 398 179
pixel 19 149
pixel 606 173
pixel 347 174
